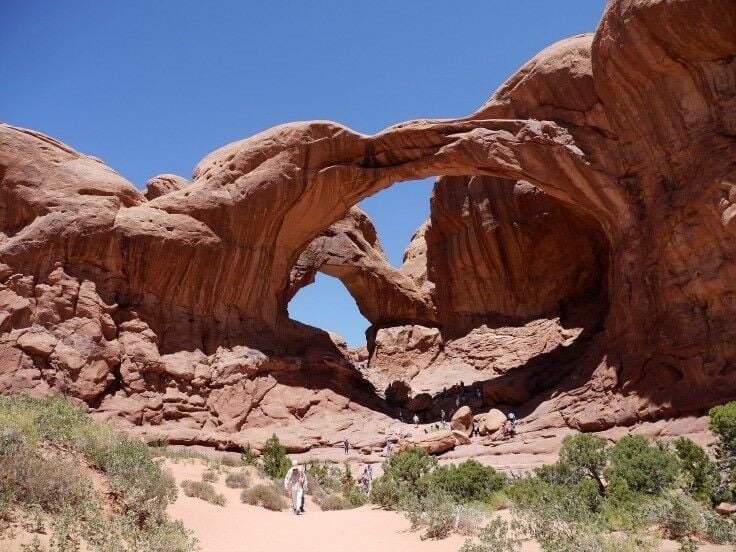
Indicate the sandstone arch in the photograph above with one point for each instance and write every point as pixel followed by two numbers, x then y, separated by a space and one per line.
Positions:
pixel 631 128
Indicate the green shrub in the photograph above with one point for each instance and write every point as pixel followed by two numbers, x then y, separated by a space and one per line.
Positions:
pixel 701 475
pixel 640 467
pixel 469 518
pixel 334 502
pixel 204 491
pixel 568 518
pixel 322 476
pixel 237 480
pixel 354 496
pixel 40 433
pixel 679 516
pixel 723 425
pixel 434 511
pixel 682 517
pixel 467 482
pixel 248 457
pixel 275 462
pixel 403 478
pixel 143 486
pixel 31 480
pixel 209 476
pixel 497 536
pixel 231 461
pixel 586 455
pixel 267 496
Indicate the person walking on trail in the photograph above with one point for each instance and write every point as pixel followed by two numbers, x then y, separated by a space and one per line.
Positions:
pixel 295 484
pixel 416 420
pixel 346 445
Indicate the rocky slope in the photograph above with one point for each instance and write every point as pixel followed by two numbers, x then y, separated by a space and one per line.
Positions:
pixel 578 257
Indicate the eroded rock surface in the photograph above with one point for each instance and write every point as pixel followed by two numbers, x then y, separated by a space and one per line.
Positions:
pixel 578 260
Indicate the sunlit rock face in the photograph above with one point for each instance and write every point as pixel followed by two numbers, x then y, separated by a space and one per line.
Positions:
pixel 577 258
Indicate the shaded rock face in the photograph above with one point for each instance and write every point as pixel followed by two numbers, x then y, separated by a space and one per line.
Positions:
pixel 591 198
pixel 506 249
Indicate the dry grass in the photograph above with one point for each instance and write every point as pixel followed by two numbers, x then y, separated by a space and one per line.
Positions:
pixel 203 491
pixel 266 496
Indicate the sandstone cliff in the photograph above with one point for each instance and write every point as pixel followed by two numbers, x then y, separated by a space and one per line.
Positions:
pixel 577 259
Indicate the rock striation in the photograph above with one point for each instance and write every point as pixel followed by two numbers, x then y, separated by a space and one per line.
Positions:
pixel 577 260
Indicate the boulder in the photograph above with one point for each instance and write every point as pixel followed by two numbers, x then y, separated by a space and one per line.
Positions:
pixel 462 420
pixel 491 422
pixel 726 509
pixel 37 341
pixel 435 442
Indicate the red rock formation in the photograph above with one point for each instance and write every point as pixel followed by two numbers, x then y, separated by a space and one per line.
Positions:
pixel 350 250
pixel 172 312
pixel 163 184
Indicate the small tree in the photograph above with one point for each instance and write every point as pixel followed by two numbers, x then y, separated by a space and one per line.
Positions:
pixel 275 461
pixel 467 482
pixel 723 424
pixel 403 478
pixel 701 473
pixel 640 467
pixel 586 455
pixel 248 457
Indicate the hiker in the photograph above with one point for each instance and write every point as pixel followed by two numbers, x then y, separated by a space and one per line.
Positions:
pixel 443 418
pixel 389 449
pixel 346 445
pixel 457 401
pixel 416 420
pixel 509 426
pixel 365 479
pixel 295 484
pixel 478 394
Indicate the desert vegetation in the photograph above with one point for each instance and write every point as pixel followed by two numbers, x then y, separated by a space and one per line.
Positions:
pixel 598 496
pixel 73 481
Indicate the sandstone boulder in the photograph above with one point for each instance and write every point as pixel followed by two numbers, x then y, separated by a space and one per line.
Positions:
pixel 491 422
pixel 37 341
pixel 436 442
pixel 462 420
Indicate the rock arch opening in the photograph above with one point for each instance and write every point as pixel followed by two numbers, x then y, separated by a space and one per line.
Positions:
pixel 397 213
pixel 502 286
pixel 326 304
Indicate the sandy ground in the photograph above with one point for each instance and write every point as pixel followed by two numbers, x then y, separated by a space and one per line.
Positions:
pixel 237 527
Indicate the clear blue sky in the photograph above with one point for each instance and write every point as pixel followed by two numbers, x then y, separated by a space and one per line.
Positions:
pixel 153 86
